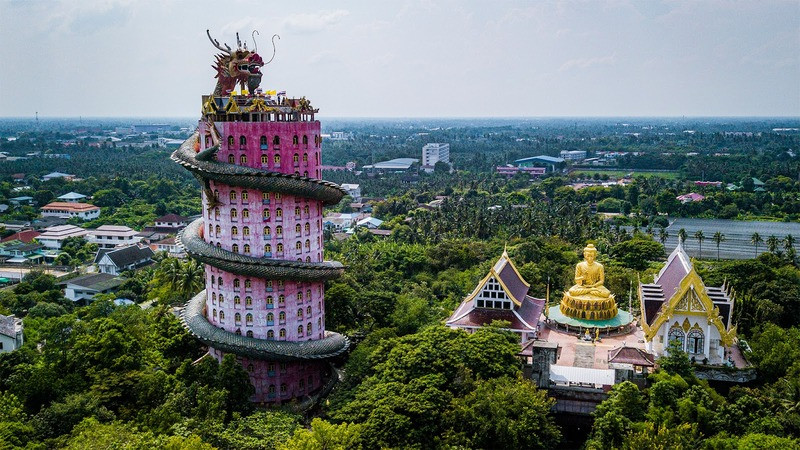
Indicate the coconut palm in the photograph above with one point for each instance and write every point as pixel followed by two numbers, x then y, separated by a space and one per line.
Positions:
pixel 663 234
pixel 772 244
pixel 718 239
pixel 788 242
pixel 682 235
pixel 756 239
pixel 700 238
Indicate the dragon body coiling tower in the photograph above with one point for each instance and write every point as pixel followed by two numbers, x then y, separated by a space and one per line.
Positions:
pixel 260 237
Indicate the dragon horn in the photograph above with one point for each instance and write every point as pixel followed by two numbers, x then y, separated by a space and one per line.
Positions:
pixel 216 43
pixel 238 42
pixel 273 48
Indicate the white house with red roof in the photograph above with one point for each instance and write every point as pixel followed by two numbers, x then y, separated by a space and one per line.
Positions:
pixel 501 295
pixel 678 306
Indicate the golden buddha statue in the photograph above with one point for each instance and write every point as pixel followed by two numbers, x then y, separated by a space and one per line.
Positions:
pixel 588 298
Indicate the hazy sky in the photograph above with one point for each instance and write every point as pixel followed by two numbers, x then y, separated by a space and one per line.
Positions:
pixel 410 58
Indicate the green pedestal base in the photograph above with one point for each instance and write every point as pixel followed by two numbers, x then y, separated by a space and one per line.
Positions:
pixel 622 319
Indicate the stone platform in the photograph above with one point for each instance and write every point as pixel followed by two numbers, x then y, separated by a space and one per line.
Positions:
pixel 618 323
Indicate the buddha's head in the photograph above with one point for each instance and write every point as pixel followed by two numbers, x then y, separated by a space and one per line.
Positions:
pixel 590 253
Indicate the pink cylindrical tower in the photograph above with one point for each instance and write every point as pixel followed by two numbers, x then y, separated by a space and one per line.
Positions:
pixel 260 236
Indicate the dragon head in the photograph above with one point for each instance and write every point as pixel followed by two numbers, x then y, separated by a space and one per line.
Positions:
pixel 240 66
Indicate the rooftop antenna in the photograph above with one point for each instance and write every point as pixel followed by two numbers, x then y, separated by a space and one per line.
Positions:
pixel 37 119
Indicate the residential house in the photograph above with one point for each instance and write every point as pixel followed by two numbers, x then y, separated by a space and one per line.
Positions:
pixel 11 335
pixel 116 261
pixel 111 236
pixel 24 200
pixel 16 225
pixel 690 197
pixel 56 175
pixel 170 246
pixel 72 197
pixel 353 190
pixel 25 236
pixel 53 237
pixel 17 252
pixel 68 210
pixel 369 222
pixel 168 224
pixel 83 289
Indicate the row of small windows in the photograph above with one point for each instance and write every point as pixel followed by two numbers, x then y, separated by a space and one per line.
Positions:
pixel 284 388
pixel 278 212
pixel 249 300
pixel 275 140
pixel 267 230
pixel 276 159
pixel 270 333
pixel 246 249
pixel 268 284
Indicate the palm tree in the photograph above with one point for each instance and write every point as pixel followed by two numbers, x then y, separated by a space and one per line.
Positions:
pixel 700 238
pixel 682 236
pixel 663 234
pixel 718 239
pixel 788 242
pixel 756 239
pixel 192 278
pixel 772 244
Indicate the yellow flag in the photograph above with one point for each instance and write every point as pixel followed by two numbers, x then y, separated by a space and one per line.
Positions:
pixel 272 92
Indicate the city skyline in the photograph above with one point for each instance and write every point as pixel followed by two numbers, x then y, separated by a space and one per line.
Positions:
pixel 411 59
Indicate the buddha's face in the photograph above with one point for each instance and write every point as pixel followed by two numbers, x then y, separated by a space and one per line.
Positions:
pixel 590 256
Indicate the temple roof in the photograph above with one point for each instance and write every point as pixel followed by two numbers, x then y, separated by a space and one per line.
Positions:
pixel 523 318
pixel 506 273
pixel 668 283
pixel 630 355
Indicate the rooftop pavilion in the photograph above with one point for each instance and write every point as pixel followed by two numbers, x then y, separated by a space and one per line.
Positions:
pixel 245 107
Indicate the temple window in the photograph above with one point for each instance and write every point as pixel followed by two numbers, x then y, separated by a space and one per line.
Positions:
pixel 306 209
pixel 246 249
pixel 248 319
pixel 267 248
pixel 266 214
pixel 237 301
pixel 264 159
pixel 300 297
pixel 271 335
pixel 245 230
pixel 244 196
pixel 308 244
pixel 270 317
pixel 308 228
pixel 222 315
pixel 263 141
pixel 276 140
pixel 308 294
pixel 283 386
pixel 234 231
pixel 279 213
pixel 243 159
pixel 235 248
pixel 308 259
pixel 695 341
pixel 250 334
pixel 300 313
pixel 305 157
pixel 298 229
pixel 237 317
pixel 215 313
pixel 280 247
pixel 269 300
pixel 308 313
pixel 296 158
pixel 295 140
pixel 299 330
pixel 216 213
pixel 248 301
pixel 676 334
pixel 298 245
pixel 305 139
pixel 305 173
pixel 234 213
pixel 248 284
pixel 282 333
pixel 218 229
pixel 281 300
pixel 242 140
pixel 308 328
pixel 231 141
pixel 279 230
pixel 277 159
pixel 245 213
pixel 231 159
pixel 278 196
pixel 297 211
pixel 219 281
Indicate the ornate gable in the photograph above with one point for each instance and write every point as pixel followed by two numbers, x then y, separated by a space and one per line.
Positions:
pixel 690 298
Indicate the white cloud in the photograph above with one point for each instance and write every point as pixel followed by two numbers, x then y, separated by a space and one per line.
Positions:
pixel 312 23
